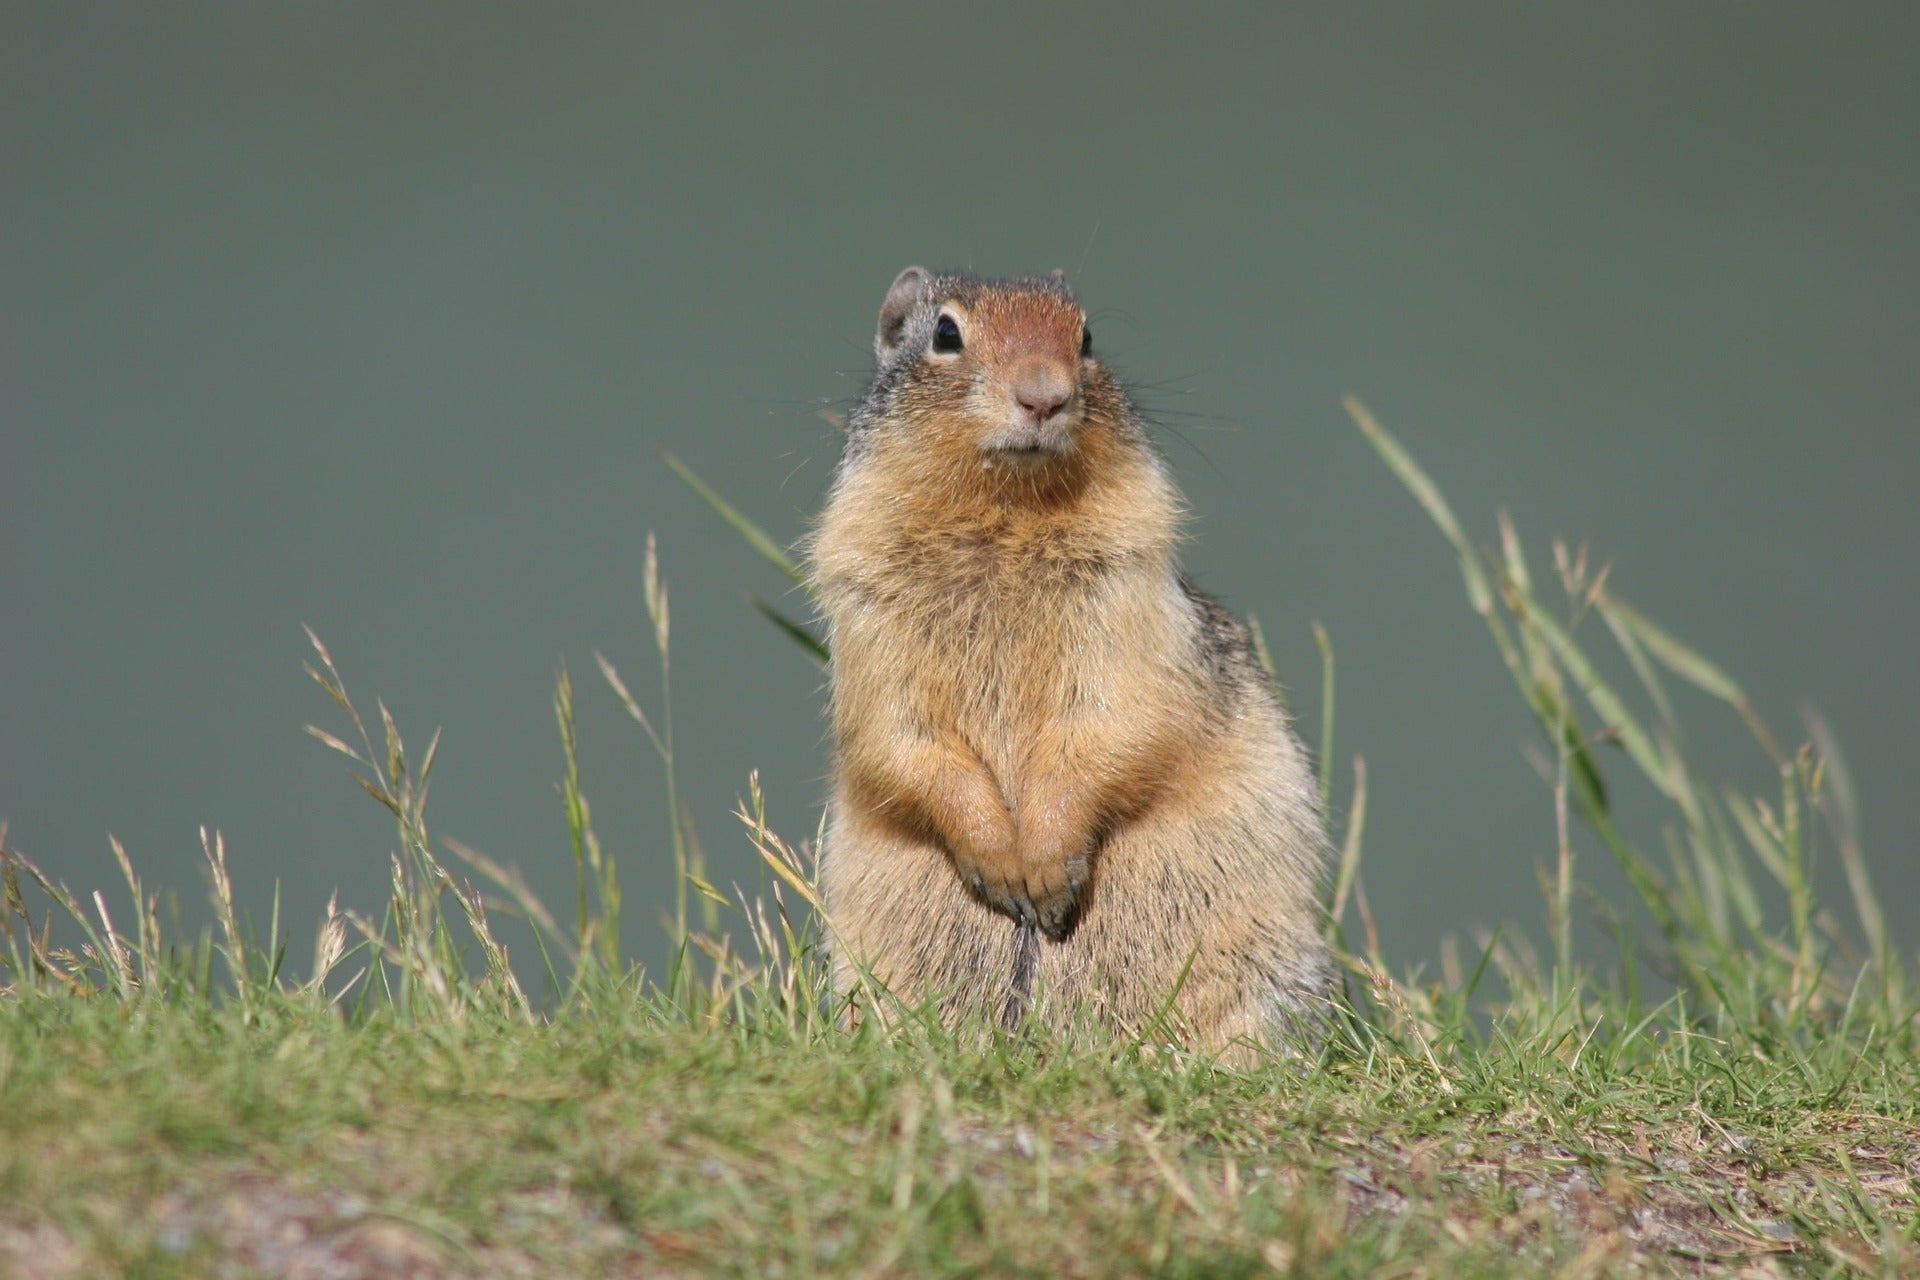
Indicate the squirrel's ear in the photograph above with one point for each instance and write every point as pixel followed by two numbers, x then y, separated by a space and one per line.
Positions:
pixel 910 289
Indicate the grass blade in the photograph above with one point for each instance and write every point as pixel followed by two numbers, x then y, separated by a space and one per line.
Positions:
pixel 755 536
pixel 1479 590
pixel 815 647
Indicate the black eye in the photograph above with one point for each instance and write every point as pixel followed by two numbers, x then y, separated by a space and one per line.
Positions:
pixel 946 334
pixel 1086 341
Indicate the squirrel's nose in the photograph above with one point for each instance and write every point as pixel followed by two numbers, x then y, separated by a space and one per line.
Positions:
pixel 1043 391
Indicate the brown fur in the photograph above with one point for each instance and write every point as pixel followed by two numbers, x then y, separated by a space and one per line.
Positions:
pixel 1042 729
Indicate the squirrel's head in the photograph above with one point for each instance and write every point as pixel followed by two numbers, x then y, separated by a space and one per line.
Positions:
pixel 999 374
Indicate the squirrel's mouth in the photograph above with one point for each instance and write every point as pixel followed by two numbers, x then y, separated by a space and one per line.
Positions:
pixel 1027 445
pixel 1021 456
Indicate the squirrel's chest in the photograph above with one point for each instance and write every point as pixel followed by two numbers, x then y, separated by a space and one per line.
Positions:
pixel 983 598
pixel 992 642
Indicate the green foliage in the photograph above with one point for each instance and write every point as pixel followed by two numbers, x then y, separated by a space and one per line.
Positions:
pixel 406 1107
pixel 1722 944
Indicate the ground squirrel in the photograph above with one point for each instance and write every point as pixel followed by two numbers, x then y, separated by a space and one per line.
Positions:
pixel 1060 772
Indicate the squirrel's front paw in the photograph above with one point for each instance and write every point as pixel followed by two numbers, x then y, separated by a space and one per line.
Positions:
pixel 1046 893
pixel 1057 891
pixel 999 883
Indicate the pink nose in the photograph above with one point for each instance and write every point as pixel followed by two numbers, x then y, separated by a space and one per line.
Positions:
pixel 1043 391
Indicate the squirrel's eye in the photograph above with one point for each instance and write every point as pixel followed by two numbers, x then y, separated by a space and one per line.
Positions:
pixel 1086 341
pixel 946 334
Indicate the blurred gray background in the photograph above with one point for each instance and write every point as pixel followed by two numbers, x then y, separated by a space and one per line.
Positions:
pixel 375 319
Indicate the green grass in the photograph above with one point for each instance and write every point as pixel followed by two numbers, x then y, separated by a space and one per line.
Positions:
pixel 403 1106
